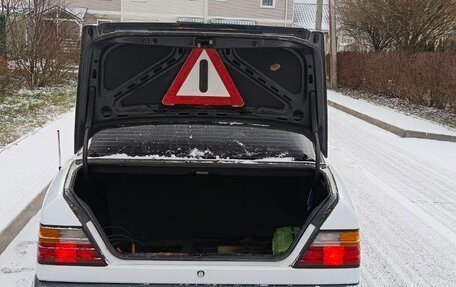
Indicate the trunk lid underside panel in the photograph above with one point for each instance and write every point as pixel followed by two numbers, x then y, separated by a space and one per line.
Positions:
pixel 126 70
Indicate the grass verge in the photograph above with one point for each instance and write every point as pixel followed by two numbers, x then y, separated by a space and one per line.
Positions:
pixel 31 109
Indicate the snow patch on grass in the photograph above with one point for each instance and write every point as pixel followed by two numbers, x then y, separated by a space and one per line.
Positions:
pixel 31 109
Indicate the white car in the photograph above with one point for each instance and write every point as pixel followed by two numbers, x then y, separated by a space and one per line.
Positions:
pixel 199 161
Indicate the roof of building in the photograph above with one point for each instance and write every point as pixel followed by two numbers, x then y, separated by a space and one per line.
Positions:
pixel 305 16
pixel 76 13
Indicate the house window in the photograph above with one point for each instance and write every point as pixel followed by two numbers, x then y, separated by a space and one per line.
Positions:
pixel 267 3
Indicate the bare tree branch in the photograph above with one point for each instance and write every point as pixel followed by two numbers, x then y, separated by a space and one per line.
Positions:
pixel 409 25
pixel 42 40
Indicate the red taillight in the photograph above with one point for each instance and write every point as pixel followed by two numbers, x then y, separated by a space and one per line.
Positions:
pixel 332 249
pixel 66 246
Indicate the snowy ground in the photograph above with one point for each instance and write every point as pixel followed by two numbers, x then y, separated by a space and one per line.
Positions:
pixel 17 262
pixel 389 115
pixel 405 193
pixel 28 166
pixel 444 117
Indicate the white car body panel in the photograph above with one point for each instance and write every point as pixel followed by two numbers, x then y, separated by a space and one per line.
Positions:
pixel 344 214
pixel 56 211
pixel 175 274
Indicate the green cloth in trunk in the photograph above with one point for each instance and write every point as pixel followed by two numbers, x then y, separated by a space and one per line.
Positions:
pixel 283 238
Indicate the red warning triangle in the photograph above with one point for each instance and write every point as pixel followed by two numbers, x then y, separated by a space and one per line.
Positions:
pixel 203 80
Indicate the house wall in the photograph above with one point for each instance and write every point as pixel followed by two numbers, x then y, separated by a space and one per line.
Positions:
pixel 169 10
pixel 161 11
pixel 251 9
pixel 101 5
pixel 98 10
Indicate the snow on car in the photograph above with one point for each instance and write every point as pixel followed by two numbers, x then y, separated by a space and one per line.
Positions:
pixel 199 161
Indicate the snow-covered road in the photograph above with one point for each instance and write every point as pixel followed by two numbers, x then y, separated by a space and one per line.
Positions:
pixel 405 193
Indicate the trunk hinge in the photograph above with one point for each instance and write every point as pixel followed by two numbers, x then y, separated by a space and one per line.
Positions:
pixel 87 130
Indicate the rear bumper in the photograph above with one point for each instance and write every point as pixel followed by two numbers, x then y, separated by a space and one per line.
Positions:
pixel 39 283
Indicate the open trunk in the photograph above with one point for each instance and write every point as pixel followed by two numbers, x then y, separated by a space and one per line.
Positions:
pixel 213 94
pixel 190 214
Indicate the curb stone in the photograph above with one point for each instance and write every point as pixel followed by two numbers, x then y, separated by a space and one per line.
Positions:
pixel 8 234
pixel 403 133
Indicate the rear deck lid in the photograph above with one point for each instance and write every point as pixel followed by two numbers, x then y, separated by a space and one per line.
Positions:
pixel 136 74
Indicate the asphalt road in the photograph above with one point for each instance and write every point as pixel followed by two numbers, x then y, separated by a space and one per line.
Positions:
pixel 405 194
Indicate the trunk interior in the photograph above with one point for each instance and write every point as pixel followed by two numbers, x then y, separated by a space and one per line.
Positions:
pixel 199 213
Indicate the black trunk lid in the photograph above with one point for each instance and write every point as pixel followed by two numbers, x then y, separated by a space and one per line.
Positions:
pixel 126 70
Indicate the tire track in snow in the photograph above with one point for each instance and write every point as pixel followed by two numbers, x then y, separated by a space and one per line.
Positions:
pixel 413 178
pixel 408 234
pixel 17 262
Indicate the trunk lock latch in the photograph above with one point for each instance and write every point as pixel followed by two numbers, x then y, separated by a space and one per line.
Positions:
pixel 200 274
pixel 204 43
